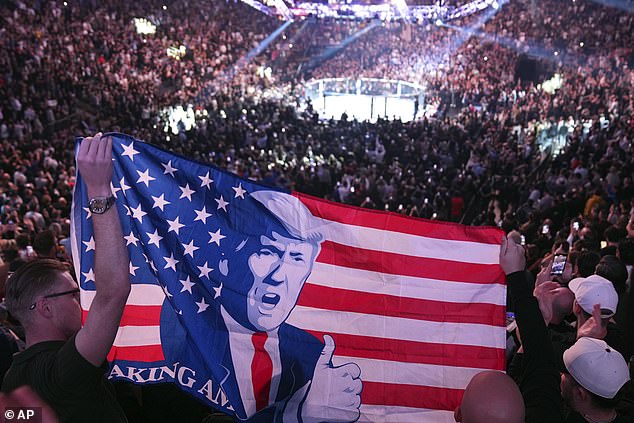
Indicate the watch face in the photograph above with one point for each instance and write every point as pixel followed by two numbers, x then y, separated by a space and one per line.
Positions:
pixel 100 205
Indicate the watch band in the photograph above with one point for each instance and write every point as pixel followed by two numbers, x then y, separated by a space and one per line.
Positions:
pixel 100 205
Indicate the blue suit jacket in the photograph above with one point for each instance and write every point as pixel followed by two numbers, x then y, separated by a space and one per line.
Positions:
pixel 208 351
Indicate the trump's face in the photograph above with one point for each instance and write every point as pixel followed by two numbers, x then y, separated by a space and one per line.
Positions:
pixel 280 267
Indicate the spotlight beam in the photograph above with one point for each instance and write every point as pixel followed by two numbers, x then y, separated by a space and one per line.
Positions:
pixel 330 52
pixel 533 49
pixel 242 62
pixel 627 5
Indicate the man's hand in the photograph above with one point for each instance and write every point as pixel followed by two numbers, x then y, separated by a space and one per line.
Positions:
pixel 544 293
pixel 595 326
pixel 512 257
pixel 544 274
pixel 334 394
pixel 94 161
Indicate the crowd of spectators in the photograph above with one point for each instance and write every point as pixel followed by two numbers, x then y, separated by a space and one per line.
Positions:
pixel 70 68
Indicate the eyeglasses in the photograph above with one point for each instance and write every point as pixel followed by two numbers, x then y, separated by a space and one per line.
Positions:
pixel 58 294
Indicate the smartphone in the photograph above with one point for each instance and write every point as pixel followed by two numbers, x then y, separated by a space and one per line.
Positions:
pixel 522 240
pixel 545 229
pixel 559 263
pixel 575 226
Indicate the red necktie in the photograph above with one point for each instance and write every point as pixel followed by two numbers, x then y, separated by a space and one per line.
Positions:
pixel 261 371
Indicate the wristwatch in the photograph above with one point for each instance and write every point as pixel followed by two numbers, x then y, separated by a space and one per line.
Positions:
pixel 99 205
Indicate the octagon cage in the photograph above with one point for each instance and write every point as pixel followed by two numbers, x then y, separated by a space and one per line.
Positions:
pixel 366 98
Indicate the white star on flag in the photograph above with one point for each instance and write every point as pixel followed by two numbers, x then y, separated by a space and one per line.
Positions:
pixel 190 248
pixel 145 177
pixel 206 181
pixel 124 187
pixel 202 306
pixel 217 291
pixel 155 238
pixel 204 270
pixel 239 191
pixel 168 168
pixel 216 237
pixel 167 293
pixel 222 204
pixel 137 213
pixel 90 276
pixel 131 239
pixel 128 150
pixel 160 202
pixel 170 262
pixel 174 225
pixel 88 213
pixel 187 285
pixel 90 245
pixel 133 269
pixel 127 210
pixel 187 192
pixel 114 189
pixel 202 215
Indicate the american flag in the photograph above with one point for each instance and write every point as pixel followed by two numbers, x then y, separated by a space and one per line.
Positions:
pixel 418 305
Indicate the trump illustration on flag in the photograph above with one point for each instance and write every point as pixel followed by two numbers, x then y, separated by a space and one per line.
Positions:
pixel 274 306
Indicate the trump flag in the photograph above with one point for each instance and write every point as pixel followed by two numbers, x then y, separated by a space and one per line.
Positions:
pixel 277 306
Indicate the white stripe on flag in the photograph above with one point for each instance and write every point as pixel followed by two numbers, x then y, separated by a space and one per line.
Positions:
pixel 406 286
pixel 412 245
pixel 136 336
pixel 392 414
pixel 362 325
pixel 140 294
pixel 383 371
pixel 396 328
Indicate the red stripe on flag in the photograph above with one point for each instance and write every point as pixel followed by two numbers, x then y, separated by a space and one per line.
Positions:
pixel 145 353
pixel 398 223
pixel 136 315
pixel 327 298
pixel 391 394
pixel 415 352
pixel 399 264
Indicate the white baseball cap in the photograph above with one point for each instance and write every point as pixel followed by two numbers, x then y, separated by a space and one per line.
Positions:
pixel 597 367
pixel 593 290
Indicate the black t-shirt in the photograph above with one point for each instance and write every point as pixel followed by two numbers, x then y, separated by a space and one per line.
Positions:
pixel 75 389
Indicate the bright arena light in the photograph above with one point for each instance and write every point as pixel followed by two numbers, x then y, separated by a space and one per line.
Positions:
pixel 264 72
pixel 144 27
pixel 387 10
pixel 177 118
pixel 553 84
pixel 176 52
